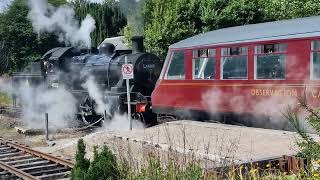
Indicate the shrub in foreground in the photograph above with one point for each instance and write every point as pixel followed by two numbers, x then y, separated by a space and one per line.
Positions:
pixel 103 165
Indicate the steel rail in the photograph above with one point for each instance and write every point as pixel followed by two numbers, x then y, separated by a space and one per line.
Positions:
pixel 17 172
pixel 49 157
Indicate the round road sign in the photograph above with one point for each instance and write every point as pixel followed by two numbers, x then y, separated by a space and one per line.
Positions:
pixel 127 71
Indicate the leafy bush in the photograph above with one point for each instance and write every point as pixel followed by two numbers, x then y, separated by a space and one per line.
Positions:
pixel 82 164
pixel 104 164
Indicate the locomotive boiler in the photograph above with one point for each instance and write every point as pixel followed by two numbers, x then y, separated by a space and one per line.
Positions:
pixel 71 68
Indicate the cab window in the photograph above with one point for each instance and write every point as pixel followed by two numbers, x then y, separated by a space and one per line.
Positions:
pixel 177 66
pixel 203 64
pixel 315 60
pixel 270 61
pixel 234 63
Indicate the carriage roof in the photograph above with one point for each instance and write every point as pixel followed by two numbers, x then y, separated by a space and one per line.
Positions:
pixel 285 29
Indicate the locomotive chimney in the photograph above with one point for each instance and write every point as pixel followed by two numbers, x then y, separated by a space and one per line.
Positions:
pixel 137 44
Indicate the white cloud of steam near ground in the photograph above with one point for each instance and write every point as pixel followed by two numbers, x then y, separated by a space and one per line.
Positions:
pixel 62 22
pixel 58 103
pixel 121 123
pixel 61 107
pixel 272 106
pixel 36 101
pixel 118 121
pixel 97 95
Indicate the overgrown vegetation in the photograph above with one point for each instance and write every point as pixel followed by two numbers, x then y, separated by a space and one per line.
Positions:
pixel 309 147
pixel 4 99
pixel 103 166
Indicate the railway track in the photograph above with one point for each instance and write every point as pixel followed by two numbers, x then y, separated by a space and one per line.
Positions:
pixel 20 162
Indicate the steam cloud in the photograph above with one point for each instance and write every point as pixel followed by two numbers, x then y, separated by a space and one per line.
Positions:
pixel 62 22
pixel 95 93
pixel 58 103
pixel 272 107
pixel 118 121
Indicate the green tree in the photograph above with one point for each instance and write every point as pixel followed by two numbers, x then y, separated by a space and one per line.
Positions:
pixel 82 164
pixel 109 19
pixel 168 21
pixel 18 43
pixel 103 166
pixel 240 12
pixel 288 9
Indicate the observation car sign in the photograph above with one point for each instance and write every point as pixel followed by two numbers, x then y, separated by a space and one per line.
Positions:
pixel 127 71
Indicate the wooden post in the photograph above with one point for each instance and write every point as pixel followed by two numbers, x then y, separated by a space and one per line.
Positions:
pixel 105 115
pixel 47 126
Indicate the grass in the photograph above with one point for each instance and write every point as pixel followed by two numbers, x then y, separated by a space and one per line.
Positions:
pixel 4 99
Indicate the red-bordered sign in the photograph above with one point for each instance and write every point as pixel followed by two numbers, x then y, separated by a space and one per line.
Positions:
pixel 127 71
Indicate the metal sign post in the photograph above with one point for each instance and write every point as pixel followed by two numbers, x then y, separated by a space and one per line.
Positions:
pixel 127 73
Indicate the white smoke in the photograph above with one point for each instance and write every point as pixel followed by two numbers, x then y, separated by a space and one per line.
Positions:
pixel 121 123
pixel 58 103
pixel 97 95
pixel 36 101
pixel 62 22
pixel 117 121
pixel 261 107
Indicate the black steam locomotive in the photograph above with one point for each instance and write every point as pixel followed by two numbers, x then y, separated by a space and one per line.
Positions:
pixel 70 67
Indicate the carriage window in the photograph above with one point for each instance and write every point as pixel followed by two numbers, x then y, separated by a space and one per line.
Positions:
pixel 315 60
pixel 177 67
pixel 270 60
pixel 234 63
pixel 203 64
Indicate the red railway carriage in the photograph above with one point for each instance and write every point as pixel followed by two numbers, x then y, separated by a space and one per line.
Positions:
pixel 256 69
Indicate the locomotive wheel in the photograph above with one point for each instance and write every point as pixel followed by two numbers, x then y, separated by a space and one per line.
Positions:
pixel 87 113
pixel 138 117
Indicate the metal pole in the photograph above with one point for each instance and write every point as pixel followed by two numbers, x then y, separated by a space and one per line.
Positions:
pixel 47 126
pixel 128 98
pixel 105 115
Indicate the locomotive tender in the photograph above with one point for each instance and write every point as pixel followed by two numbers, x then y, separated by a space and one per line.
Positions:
pixel 69 67
pixel 242 72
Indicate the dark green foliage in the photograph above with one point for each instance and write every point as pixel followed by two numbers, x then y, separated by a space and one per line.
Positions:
pixel 18 43
pixel 104 166
pixel 82 164
pixel 109 19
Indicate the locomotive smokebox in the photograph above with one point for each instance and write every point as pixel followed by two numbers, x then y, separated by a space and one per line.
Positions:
pixel 137 44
